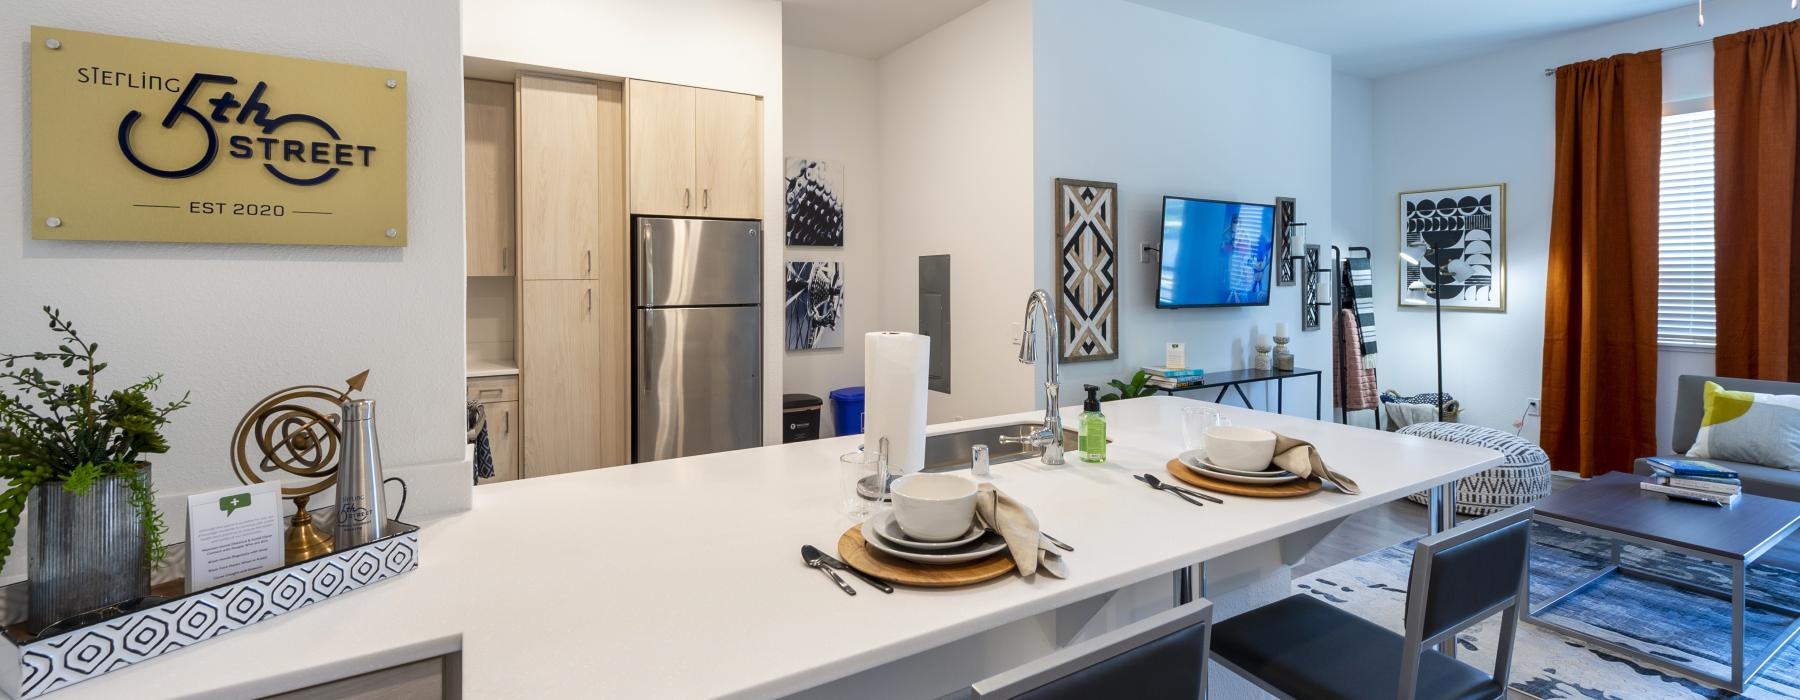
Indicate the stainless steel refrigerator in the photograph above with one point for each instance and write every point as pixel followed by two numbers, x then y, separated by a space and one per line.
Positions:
pixel 697 345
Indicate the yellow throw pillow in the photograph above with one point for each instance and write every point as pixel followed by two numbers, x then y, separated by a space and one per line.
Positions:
pixel 1744 426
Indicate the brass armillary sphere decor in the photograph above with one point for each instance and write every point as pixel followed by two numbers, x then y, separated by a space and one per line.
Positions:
pixel 295 431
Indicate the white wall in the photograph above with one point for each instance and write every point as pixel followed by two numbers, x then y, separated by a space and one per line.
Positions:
pixel 1497 125
pixel 1352 193
pixel 232 323
pixel 732 45
pixel 832 103
pixel 1167 105
pixel 956 177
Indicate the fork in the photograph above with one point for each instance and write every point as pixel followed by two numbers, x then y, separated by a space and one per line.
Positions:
pixel 1184 489
pixel 1154 483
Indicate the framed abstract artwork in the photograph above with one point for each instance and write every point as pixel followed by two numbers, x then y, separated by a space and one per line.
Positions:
pixel 1453 248
pixel 1087 246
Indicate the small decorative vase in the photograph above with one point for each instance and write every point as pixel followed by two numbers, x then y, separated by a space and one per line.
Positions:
pixel 1262 355
pixel 1284 360
pixel 86 550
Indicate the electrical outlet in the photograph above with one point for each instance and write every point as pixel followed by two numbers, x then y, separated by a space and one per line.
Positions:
pixel 1146 253
pixel 1532 408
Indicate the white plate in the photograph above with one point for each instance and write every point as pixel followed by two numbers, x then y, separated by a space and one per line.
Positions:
pixel 889 529
pixel 979 549
pixel 1195 460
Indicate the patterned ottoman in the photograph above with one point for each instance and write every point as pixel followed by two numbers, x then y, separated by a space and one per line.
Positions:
pixel 1522 477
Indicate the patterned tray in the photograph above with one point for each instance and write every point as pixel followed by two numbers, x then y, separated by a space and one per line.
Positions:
pixel 31 667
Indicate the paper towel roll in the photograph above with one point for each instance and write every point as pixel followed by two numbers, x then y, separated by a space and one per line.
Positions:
pixel 895 369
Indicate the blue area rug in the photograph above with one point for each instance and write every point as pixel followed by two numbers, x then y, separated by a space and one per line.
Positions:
pixel 1656 618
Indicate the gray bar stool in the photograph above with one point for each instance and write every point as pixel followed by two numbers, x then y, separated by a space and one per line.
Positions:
pixel 1300 647
pixel 1157 658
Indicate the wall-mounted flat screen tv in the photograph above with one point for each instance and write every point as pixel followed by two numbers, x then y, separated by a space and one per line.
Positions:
pixel 1215 253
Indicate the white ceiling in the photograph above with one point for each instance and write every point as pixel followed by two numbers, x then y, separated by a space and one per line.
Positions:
pixel 867 28
pixel 1375 38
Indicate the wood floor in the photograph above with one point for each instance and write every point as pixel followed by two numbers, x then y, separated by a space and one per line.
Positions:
pixel 1402 520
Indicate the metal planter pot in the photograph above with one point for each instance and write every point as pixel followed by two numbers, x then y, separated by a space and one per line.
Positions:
pixel 87 550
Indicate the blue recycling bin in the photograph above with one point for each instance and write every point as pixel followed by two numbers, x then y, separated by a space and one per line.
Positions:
pixel 847 410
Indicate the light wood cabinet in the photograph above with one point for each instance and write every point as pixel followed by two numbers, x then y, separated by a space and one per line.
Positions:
pixel 559 178
pixel 660 158
pixel 614 290
pixel 488 182
pixel 727 165
pixel 499 397
pixel 560 376
pixel 504 431
pixel 693 152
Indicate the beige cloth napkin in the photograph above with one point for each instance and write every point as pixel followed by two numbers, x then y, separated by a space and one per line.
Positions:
pixel 1030 552
pixel 1300 457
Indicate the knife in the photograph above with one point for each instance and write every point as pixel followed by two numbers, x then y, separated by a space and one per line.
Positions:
pixel 811 553
pixel 814 558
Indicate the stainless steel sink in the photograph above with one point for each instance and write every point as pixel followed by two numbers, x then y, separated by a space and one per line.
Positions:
pixel 951 451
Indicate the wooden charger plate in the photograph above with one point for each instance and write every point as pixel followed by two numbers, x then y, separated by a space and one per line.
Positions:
pixel 1285 490
pixel 860 556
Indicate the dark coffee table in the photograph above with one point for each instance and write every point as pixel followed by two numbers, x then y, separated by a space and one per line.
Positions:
pixel 1613 507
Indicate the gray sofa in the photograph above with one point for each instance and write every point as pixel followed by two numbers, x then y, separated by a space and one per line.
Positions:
pixel 1759 480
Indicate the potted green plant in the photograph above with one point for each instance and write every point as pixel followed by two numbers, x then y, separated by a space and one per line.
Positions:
pixel 74 457
pixel 1139 386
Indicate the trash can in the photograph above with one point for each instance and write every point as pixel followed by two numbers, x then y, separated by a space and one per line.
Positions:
pixel 847 410
pixel 800 417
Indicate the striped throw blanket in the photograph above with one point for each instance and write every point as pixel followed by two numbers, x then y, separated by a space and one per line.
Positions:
pixel 1362 292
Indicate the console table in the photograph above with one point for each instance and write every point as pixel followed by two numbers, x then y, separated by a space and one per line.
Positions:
pixel 1236 379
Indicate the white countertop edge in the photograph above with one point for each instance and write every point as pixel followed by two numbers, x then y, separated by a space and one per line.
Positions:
pixel 336 670
pixel 1072 593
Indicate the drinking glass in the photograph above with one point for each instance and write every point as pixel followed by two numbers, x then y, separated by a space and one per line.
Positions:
pixel 1195 421
pixel 861 488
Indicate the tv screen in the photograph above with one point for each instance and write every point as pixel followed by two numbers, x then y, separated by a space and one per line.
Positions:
pixel 1215 253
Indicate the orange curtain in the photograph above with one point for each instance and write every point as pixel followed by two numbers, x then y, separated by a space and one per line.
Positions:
pixel 1756 84
pixel 1599 407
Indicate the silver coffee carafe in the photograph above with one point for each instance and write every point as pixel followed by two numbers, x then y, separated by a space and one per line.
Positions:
pixel 361 511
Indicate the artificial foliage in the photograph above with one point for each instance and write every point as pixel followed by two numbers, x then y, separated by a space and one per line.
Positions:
pixel 1138 387
pixel 65 433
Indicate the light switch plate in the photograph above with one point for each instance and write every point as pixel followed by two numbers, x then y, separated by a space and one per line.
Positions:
pixel 1146 253
pixel 1533 407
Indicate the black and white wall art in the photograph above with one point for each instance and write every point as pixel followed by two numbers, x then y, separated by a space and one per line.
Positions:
pixel 815 203
pixel 1453 248
pixel 1087 245
pixel 815 305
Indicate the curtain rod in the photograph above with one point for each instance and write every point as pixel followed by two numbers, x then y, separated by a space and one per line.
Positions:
pixel 1666 49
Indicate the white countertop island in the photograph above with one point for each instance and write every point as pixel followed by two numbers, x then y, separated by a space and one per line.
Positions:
pixel 682 578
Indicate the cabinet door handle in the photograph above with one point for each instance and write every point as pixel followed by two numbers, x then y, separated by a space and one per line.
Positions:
pixel 590 299
pixel 504 254
pixel 487 392
pixel 506 423
pixel 706 198
pixel 590 261
pixel 687 197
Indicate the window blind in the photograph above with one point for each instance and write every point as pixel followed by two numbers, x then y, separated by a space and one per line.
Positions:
pixel 1685 313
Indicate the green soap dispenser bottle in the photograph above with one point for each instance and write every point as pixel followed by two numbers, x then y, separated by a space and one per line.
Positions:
pixel 1093 427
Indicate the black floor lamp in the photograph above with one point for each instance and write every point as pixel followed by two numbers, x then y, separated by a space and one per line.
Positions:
pixel 1415 257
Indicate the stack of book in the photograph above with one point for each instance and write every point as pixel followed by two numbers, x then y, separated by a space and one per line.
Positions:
pixel 1165 378
pixel 1694 481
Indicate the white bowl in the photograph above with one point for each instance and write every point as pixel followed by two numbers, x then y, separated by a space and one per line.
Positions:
pixel 1240 447
pixel 934 507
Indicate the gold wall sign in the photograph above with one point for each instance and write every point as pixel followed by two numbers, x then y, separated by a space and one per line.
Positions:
pixel 137 140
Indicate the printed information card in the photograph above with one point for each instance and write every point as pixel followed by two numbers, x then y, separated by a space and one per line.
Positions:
pixel 233 533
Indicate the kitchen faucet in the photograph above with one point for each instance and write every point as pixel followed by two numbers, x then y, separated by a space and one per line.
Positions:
pixel 1050 435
